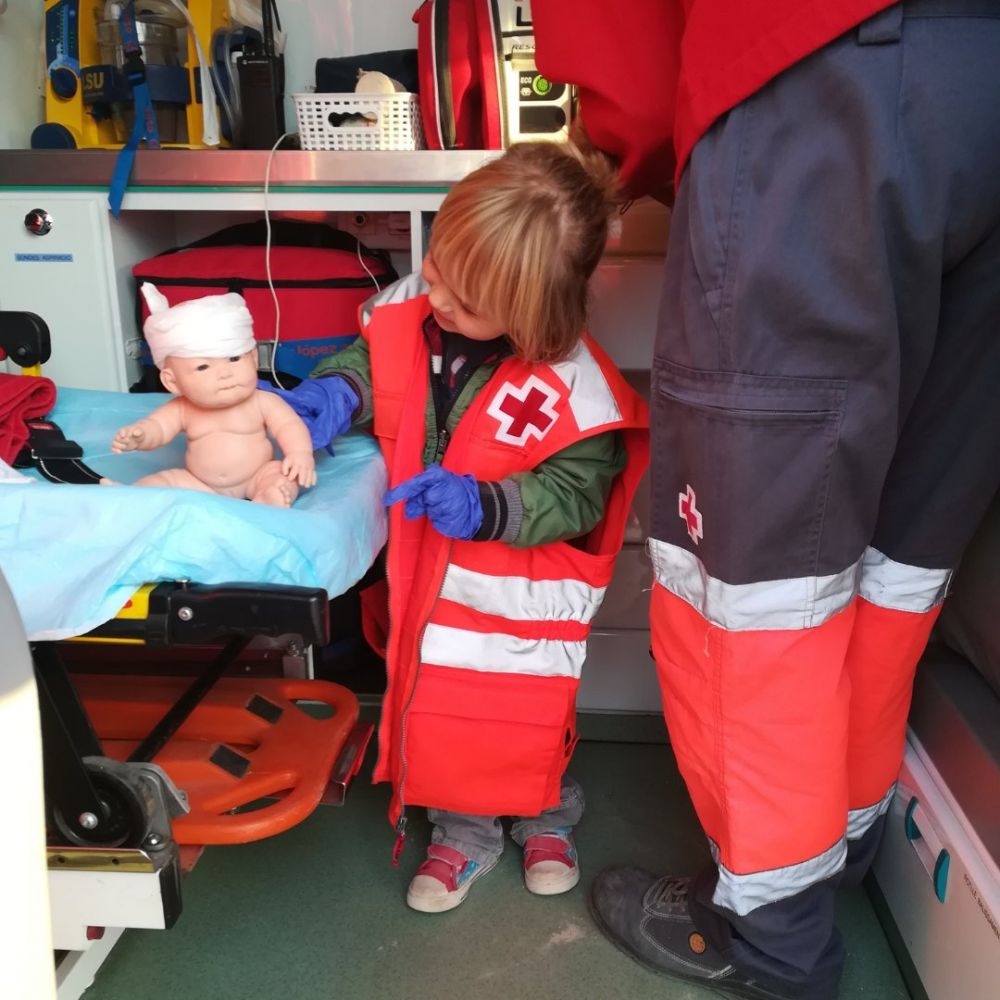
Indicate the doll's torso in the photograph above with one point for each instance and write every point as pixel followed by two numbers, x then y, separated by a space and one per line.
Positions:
pixel 226 447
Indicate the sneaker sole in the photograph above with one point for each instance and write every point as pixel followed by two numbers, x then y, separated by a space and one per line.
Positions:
pixel 731 989
pixel 441 904
pixel 553 886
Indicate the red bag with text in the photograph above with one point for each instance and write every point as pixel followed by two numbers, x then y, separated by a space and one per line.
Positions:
pixel 320 275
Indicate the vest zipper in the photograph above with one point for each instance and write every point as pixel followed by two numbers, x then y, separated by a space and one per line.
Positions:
pixel 442 443
pixel 401 822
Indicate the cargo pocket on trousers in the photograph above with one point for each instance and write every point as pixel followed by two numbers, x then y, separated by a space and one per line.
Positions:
pixel 741 468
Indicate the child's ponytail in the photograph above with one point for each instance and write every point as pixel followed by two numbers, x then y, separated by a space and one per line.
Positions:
pixel 601 169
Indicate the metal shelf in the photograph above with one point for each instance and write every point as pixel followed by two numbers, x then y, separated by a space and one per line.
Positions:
pixel 424 171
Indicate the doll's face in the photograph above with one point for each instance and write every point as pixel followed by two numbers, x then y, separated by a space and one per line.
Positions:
pixel 212 383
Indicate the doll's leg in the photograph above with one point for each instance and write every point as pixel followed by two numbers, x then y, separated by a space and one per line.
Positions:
pixel 179 478
pixel 271 487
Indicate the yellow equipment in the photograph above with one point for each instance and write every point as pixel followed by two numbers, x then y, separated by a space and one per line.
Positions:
pixel 88 101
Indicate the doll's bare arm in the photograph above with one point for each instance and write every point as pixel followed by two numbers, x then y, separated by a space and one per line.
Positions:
pixel 154 431
pixel 292 435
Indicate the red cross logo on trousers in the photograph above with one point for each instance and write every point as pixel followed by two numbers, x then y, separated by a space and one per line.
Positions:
pixel 688 510
pixel 525 411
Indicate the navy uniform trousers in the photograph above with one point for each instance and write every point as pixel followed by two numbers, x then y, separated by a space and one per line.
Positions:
pixel 826 439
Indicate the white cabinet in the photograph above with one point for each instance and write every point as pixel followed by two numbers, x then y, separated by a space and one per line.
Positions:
pixel 65 276
pixel 941 884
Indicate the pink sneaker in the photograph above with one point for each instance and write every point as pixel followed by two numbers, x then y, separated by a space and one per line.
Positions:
pixel 550 864
pixel 443 881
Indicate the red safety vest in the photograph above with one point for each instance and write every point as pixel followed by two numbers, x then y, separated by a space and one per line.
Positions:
pixel 486 640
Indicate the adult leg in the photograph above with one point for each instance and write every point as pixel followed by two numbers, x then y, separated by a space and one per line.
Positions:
pixel 943 477
pixel 804 278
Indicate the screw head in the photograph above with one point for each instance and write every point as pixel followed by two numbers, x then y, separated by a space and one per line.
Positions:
pixel 154 840
pixel 88 821
pixel 185 614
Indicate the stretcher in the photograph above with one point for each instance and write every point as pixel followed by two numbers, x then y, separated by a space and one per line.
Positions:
pixel 141 770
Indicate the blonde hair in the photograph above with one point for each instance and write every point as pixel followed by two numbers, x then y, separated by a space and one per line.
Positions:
pixel 519 238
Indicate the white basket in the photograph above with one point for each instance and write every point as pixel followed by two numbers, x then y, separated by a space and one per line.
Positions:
pixel 396 121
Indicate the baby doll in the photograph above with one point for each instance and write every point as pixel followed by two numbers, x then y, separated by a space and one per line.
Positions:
pixel 207 357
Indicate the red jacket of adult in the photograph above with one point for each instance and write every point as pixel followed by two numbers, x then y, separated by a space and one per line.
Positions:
pixel 654 74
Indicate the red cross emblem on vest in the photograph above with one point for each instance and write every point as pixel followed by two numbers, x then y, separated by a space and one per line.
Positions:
pixel 524 411
pixel 688 510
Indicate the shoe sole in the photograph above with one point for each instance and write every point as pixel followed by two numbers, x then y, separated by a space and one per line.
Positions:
pixel 554 887
pixel 442 904
pixel 729 989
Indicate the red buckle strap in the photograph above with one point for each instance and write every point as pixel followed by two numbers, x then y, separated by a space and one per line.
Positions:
pixel 445 864
pixel 546 847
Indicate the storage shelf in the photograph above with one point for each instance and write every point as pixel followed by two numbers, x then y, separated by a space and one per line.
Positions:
pixel 423 171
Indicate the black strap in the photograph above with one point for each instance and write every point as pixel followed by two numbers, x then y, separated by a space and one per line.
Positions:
pixel 56 458
pixel 284 233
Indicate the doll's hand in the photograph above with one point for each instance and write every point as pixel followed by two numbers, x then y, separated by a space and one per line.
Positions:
pixel 301 467
pixel 450 501
pixel 128 439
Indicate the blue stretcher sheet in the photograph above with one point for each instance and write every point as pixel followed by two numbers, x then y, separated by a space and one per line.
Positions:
pixel 73 555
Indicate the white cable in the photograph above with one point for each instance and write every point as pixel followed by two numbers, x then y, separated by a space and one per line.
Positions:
pixel 209 112
pixel 267 259
pixel 361 261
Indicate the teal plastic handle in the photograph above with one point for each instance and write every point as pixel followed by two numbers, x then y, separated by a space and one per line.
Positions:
pixel 936 865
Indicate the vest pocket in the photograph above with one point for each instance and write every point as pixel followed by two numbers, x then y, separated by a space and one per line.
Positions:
pixel 488 743
pixel 388 412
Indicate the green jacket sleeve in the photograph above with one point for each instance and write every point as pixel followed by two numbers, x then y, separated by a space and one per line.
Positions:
pixel 353 364
pixel 562 498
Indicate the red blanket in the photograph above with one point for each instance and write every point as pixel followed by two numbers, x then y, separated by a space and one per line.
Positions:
pixel 22 398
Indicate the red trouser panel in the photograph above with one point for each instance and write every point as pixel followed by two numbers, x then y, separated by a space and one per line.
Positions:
pixel 758 721
pixel 881 661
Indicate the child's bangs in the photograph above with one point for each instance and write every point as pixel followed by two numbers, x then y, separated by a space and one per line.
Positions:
pixel 477 271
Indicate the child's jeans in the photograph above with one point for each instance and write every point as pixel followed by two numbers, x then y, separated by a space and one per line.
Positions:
pixel 481 837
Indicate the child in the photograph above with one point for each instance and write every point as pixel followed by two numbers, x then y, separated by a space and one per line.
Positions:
pixel 207 356
pixel 514 447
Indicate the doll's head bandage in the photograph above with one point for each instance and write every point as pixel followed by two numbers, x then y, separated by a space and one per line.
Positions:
pixel 216 326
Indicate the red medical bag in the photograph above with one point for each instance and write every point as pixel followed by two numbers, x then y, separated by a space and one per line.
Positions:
pixel 479 88
pixel 317 274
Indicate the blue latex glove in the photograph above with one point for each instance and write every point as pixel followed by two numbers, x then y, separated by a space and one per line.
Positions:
pixel 450 501
pixel 325 405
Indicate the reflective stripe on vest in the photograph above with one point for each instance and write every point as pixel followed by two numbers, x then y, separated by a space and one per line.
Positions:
pixel 501 653
pixel 590 397
pixel 522 599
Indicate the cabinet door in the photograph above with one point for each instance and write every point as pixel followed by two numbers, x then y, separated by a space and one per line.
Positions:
pixel 66 277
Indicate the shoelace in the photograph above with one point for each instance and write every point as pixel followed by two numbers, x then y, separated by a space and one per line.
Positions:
pixel 671 890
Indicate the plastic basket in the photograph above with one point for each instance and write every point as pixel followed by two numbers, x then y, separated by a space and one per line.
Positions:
pixel 326 121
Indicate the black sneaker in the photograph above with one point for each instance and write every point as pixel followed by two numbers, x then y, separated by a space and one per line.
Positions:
pixel 648 918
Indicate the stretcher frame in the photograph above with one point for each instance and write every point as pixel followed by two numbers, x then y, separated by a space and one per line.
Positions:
pixel 118 814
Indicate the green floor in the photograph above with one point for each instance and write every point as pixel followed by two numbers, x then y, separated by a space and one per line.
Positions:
pixel 318 913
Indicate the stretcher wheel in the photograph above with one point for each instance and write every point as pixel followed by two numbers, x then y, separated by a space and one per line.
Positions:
pixel 123 823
